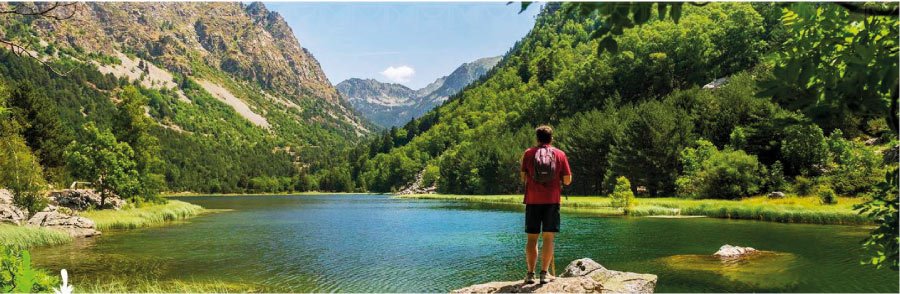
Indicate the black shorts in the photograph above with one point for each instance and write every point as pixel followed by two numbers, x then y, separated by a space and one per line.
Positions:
pixel 541 218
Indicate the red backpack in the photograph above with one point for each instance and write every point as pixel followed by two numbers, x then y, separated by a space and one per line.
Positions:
pixel 544 167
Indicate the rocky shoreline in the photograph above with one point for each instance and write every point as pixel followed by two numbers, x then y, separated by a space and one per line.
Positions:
pixel 61 213
pixel 580 276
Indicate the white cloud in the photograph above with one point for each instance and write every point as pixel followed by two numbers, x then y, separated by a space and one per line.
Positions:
pixel 400 74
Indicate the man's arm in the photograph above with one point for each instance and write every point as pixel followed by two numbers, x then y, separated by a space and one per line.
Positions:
pixel 523 176
pixel 566 171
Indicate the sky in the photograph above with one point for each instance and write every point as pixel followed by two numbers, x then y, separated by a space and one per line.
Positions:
pixel 408 43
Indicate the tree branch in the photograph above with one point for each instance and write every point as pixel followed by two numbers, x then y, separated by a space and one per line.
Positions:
pixel 51 11
pixel 25 51
pixel 47 11
pixel 869 10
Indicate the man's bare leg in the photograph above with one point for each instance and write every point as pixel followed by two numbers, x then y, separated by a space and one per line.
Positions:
pixel 531 251
pixel 547 251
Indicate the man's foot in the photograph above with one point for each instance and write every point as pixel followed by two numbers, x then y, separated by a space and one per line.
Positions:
pixel 529 278
pixel 546 277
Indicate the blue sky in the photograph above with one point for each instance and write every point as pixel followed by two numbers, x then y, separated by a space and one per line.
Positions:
pixel 408 43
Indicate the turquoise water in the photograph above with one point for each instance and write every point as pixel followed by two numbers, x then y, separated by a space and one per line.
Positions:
pixel 374 243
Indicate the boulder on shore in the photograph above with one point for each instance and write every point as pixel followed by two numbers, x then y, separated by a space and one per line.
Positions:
pixel 580 276
pixel 76 226
pixel 776 195
pixel 728 251
pixel 81 199
pixel 10 213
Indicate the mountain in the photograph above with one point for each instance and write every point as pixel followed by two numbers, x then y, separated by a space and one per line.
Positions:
pixel 230 91
pixel 391 105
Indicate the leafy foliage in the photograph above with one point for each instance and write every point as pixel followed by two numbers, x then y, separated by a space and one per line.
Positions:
pixel 108 163
pixel 884 243
pixel 622 196
pixel 21 174
pixel 854 168
pixel 17 275
pixel 804 149
pixel 838 66
pixel 711 173
pixel 826 195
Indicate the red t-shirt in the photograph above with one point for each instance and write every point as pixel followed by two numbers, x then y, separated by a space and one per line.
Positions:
pixel 544 193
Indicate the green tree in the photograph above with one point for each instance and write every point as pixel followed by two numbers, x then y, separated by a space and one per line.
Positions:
pixel 804 150
pixel 588 139
pixel 133 128
pixel 854 168
pixel 21 173
pixel 622 196
pixel 42 126
pixel 106 162
pixel 728 174
pixel 647 152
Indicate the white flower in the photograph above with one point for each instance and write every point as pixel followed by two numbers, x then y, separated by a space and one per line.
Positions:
pixel 65 288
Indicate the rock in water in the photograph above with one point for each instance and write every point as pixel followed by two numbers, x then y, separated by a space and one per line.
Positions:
pixel 580 276
pixel 76 226
pixel 9 213
pixel 729 251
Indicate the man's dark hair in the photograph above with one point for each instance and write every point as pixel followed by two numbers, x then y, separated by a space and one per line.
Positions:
pixel 544 134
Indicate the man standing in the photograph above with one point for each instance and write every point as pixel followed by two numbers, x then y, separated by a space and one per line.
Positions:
pixel 544 169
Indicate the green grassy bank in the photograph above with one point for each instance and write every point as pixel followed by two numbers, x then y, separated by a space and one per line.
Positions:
pixel 193 194
pixel 13 235
pixel 142 216
pixel 786 210
pixel 126 218
pixel 152 286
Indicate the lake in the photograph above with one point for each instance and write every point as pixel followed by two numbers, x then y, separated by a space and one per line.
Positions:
pixel 375 243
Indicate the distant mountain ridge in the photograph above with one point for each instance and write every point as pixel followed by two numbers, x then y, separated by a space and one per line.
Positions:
pixel 389 104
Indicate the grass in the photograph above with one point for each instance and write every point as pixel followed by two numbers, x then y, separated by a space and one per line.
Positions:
pixel 786 210
pixel 143 216
pixel 153 286
pixel 27 236
pixel 311 193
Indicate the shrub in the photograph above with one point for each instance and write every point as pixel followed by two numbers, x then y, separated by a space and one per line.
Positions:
pixel 622 196
pixel 803 186
pixel 826 195
pixel 776 181
pixel 804 150
pixel 855 168
pixel 431 175
pixel 728 174
pixel 17 275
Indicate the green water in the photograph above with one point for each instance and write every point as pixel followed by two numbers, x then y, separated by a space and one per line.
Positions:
pixel 373 243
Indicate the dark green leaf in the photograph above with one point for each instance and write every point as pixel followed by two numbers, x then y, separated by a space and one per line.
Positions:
pixel 609 44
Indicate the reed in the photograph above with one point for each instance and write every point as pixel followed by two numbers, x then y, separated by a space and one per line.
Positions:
pixel 27 236
pixel 142 216
pixel 786 210
pixel 155 286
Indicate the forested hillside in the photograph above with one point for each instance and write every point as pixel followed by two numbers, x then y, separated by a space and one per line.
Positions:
pixel 208 97
pixel 639 111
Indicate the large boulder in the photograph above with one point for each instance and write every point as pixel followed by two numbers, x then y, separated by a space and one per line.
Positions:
pixel 580 276
pixel 728 251
pixel 76 226
pixel 9 213
pixel 81 199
